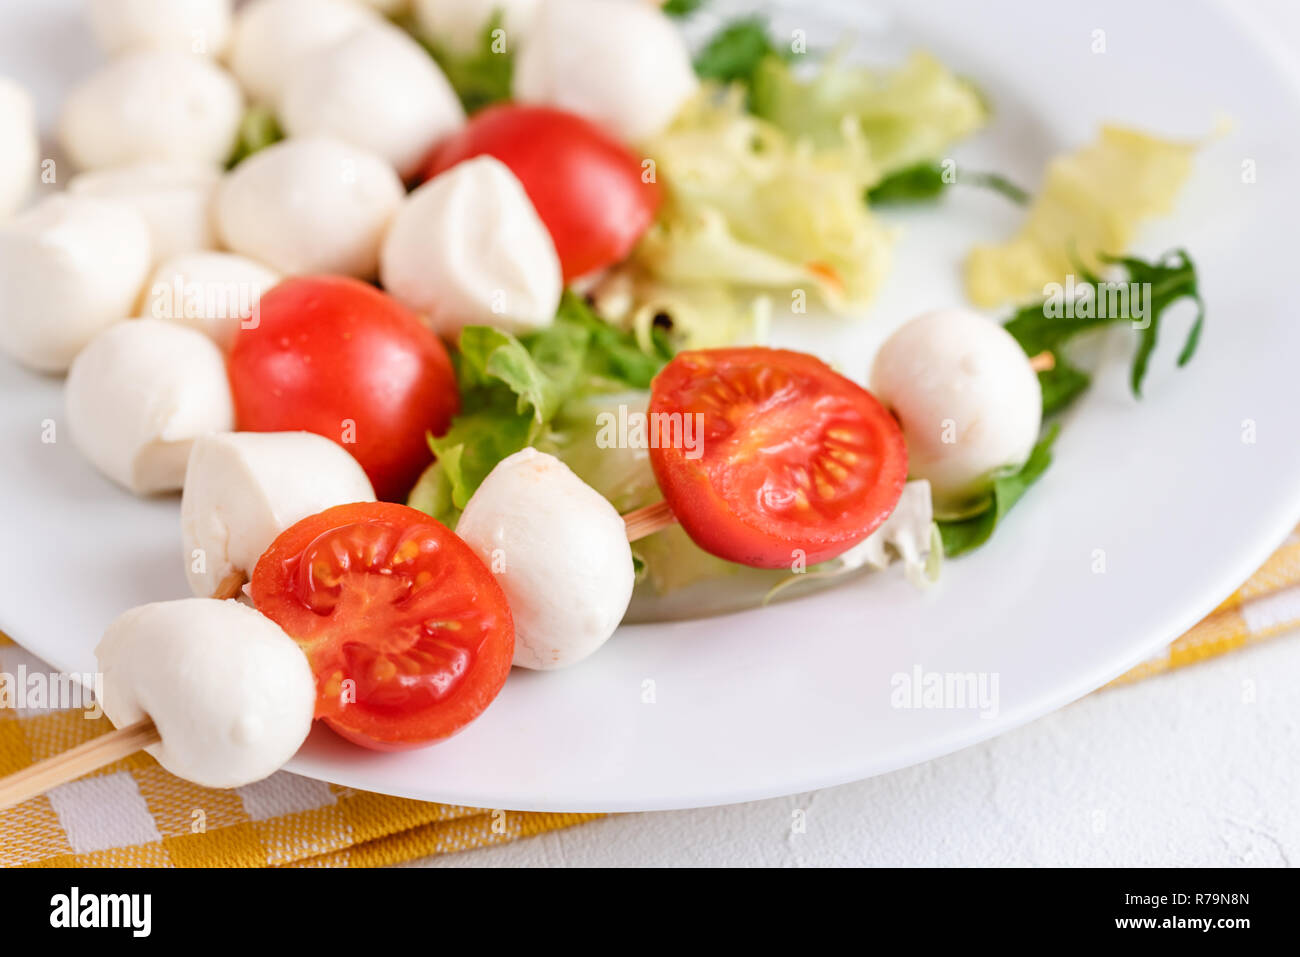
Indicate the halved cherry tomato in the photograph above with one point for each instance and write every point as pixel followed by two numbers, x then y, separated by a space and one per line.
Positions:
pixel 407 631
pixel 337 357
pixel 792 461
pixel 586 186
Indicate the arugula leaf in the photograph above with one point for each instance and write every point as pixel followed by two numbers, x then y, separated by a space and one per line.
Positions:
pixel 258 129
pixel 967 534
pixel 1158 285
pixel 927 181
pixel 1061 385
pixel 1170 279
pixel 681 8
pixel 735 52
pixel 918 183
pixel 997 183
pixel 513 388
pixel 481 77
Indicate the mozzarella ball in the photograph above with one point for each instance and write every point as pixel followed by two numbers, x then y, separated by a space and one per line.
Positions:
pixel 622 65
pixel 69 267
pixel 559 551
pixel 212 293
pixel 388 7
pixel 242 489
pixel 231 694
pixel 150 105
pixel 310 205
pixel 377 89
pixel 21 156
pixel 199 27
pixel 458 25
pixel 468 248
pixel 966 397
pixel 175 200
pixel 140 394
pixel 271 36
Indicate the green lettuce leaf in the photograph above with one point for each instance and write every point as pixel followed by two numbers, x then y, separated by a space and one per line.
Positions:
pixel 907 115
pixel 735 53
pixel 751 221
pixel 514 388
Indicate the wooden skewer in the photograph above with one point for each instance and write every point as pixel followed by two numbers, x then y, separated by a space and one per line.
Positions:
pixel 648 520
pixel 81 760
pixel 230 586
pixel 1045 361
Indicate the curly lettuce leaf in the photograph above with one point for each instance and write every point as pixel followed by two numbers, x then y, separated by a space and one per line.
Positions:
pixel 907 115
pixel 667 560
pixel 747 214
pixel 909 536
pixel 1088 208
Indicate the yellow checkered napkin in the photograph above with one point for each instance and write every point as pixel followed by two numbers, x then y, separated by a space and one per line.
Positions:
pixel 134 812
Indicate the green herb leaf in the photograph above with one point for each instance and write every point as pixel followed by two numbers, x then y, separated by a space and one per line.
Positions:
pixel 735 52
pixel 681 8
pixel 1061 385
pixel 997 183
pixel 924 182
pixel 970 533
pixel 1048 325
pixel 1171 278
pixel 913 184
pixel 258 129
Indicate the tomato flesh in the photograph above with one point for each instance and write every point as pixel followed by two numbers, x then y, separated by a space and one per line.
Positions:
pixel 407 631
pixel 586 186
pixel 337 357
pixel 793 462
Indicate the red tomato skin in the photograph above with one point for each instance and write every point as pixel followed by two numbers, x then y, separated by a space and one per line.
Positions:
pixel 337 357
pixel 713 523
pixel 272 590
pixel 586 186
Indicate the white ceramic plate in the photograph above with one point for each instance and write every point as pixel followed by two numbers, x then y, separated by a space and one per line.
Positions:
pixel 798 696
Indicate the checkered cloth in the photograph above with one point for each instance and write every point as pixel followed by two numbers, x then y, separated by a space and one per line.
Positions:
pixel 135 813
